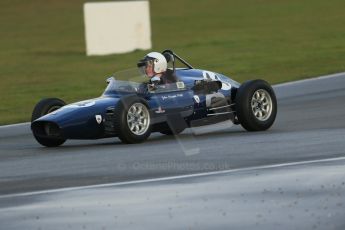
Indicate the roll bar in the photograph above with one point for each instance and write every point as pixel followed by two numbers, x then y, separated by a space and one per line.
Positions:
pixel 169 54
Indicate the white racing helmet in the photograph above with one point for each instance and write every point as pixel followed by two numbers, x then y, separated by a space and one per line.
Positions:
pixel 157 59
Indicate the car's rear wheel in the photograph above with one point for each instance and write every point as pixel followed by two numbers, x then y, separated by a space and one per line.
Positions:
pixel 132 120
pixel 42 108
pixel 256 105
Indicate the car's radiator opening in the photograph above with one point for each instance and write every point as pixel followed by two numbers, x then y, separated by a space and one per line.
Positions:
pixel 47 129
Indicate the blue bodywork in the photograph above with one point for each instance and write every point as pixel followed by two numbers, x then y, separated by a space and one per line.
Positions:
pixel 78 120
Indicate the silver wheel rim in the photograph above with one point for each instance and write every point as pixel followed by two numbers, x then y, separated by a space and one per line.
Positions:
pixel 138 119
pixel 261 104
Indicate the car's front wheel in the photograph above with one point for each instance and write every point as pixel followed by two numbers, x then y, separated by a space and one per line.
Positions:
pixel 256 105
pixel 132 120
pixel 42 108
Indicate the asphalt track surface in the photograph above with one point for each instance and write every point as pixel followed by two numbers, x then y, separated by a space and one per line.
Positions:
pixel 304 195
pixel 310 125
pixel 310 129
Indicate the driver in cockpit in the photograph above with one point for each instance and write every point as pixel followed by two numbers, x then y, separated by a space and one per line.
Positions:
pixel 154 65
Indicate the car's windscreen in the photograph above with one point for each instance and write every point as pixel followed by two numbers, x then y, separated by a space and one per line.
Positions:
pixel 126 81
pixel 116 86
pixel 132 75
pixel 133 81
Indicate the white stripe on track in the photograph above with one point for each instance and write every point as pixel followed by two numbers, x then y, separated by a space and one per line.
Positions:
pixel 162 179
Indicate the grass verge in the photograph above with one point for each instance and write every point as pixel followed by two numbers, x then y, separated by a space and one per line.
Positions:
pixel 43 49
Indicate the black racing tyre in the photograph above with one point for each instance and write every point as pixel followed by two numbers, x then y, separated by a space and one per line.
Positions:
pixel 46 106
pixel 132 120
pixel 49 142
pixel 256 105
pixel 42 108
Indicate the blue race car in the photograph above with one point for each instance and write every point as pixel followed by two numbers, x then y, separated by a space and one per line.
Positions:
pixel 130 110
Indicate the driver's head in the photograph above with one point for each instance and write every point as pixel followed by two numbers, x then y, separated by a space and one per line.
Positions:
pixel 153 63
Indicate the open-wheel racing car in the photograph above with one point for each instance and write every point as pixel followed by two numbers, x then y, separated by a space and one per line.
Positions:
pixel 130 110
